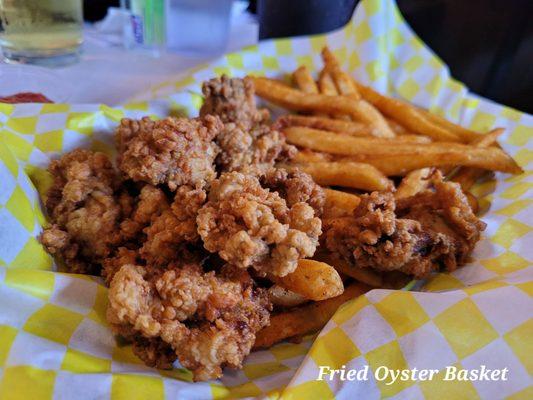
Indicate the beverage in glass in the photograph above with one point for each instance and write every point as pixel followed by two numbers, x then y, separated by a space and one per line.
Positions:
pixel 45 32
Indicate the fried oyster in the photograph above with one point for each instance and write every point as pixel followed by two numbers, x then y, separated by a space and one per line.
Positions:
pixel 247 142
pixel 416 235
pixel 84 210
pixel 209 319
pixel 172 151
pixel 251 226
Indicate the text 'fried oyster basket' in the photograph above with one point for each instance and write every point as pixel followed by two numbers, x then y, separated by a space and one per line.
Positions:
pixel 54 341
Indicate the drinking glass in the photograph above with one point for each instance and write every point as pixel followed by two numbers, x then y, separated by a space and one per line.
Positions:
pixel 44 32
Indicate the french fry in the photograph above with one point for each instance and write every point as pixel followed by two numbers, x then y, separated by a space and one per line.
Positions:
pixel 292 99
pixel 399 165
pixel 345 86
pixel 304 80
pixel 339 204
pixel 327 87
pixel 412 155
pixel 410 139
pixel 344 83
pixel 340 126
pixel 326 84
pixel 466 134
pixel 306 319
pixel 398 128
pixel 365 275
pixel 306 83
pixel 466 177
pixel 408 115
pixel 488 139
pixel 328 124
pixel 367 113
pixel 351 128
pixel 308 156
pixel 279 296
pixel 314 280
pixel 348 174
pixel 414 182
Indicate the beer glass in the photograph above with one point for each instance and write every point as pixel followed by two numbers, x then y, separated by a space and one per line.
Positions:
pixel 45 32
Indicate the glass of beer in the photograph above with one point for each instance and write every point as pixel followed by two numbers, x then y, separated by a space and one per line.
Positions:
pixel 44 32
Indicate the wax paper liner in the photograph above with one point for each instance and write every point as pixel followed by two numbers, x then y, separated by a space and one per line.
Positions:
pixel 54 341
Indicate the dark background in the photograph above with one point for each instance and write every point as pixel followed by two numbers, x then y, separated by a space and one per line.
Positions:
pixel 488 44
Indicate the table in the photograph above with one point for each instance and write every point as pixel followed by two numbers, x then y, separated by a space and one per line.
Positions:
pixel 108 73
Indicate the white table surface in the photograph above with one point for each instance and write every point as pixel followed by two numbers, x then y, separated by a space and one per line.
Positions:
pixel 108 73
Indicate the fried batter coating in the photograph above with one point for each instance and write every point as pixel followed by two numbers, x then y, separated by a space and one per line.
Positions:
pixel 253 151
pixel 76 175
pixel 232 99
pixel 172 151
pixel 111 265
pixel 247 141
pixel 295 187
pixel 415 236
pixel 375 238
pixel 154 352
pixel 210 320
pixel 174 227
pixel 444 210
pixel 249 226
pixel 152 201
pixel 83 210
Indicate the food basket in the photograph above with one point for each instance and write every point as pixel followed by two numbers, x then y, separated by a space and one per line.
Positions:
pixel 54 339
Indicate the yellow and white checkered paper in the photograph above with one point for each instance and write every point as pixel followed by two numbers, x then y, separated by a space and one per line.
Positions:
pixel 54 341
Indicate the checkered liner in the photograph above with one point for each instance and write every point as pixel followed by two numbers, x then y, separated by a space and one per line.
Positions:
pixel 54 341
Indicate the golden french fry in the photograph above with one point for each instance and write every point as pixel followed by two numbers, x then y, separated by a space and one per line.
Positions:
pixel 414 182
pixel 306 83
pixel 412 155
pixel 367 113
pixel 345 86
pixel 326 84
pixel 466 177
pixel 408 115
pixel 348 174
pixel 327 87
pixel 488 139
pixel 340 126
pixel 365 275
pixel 466 134
pixel 342 80
pixel 285 96
pixel 313 280
pixel 279 296
pixel 339 204
pixel 328 124
pixel 304 80
pixel 411 139
pixel 399 165
pixel 306 319
pixel 398 128
pixel 308 156
pixel 293 99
